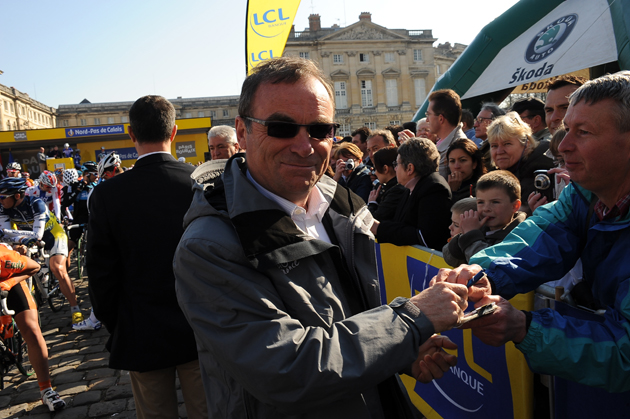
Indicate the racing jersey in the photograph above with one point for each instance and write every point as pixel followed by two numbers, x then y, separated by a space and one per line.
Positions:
pixel 78 197
pixel 51 199
pixel 11 263
pixel 31 218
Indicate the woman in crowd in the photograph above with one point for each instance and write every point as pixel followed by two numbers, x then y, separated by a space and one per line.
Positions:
pixel 513 148
pixel 423 215
pixel 465 167
pixel 384 200
pixel 353 175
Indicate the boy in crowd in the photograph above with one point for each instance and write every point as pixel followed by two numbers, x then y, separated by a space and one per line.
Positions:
pixel 498 204
pixel 460 207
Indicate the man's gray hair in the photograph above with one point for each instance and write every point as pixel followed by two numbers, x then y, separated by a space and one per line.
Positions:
pixel 493 108
pixel 611 86
pixel 223 131
pixel 422 153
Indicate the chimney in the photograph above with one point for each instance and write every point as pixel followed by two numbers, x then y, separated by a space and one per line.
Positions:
pixel 367 16
pixel 314 24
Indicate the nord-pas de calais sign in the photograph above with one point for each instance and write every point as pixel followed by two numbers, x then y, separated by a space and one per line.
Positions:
pixel 89 131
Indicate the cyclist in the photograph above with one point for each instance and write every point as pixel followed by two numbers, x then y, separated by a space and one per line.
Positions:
pixel 33 220
pixel 47 191
pixel 108 166
pixel 14 269
pixel 13 169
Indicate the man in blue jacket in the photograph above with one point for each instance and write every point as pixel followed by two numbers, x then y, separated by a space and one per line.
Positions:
pixel 590 221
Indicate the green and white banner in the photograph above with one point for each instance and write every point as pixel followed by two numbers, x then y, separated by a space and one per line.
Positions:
pixel 538 39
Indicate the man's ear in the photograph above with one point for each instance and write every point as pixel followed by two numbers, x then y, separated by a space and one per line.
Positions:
pixel 173 133
pixel 516 205
pixel 410 169
pixel 241 132
pixel 130 132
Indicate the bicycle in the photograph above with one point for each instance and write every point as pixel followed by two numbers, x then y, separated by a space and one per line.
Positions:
pixel 80 248
pixel 46 287
pixel 12 346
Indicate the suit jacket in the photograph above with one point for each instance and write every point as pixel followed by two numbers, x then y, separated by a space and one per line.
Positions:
pixel 422 217
pixel 136 221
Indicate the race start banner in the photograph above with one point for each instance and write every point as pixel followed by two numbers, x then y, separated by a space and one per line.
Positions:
pixel 487 382
pixel 268 26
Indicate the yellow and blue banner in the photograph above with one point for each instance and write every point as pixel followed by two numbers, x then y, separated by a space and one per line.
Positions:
pixel 487 381
pixel 268 26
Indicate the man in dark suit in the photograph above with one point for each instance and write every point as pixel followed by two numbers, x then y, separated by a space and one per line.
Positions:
pixel 135 225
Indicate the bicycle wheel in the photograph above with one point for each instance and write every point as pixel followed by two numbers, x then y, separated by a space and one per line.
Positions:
pixel 80 258
pixel 55 297
pixel 17 347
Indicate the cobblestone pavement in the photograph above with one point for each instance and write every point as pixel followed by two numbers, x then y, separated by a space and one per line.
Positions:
pixel 78 365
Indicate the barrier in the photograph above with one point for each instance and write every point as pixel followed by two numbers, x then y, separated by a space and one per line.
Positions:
pixel 487 381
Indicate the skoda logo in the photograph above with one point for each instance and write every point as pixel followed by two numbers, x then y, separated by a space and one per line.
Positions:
pixel 549 39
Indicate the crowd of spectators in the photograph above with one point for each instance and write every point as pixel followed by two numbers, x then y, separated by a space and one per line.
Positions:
pixel 412 175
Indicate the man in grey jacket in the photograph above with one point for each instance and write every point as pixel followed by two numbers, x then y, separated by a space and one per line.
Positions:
pixel 276 273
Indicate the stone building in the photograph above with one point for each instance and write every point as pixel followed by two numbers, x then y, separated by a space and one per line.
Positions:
pixel 221 109
pixel 18 111
pixel 381 76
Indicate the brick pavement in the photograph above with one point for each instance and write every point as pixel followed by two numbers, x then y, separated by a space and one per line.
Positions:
pixel 78 365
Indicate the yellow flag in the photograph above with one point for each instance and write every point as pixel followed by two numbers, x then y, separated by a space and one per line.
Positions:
pixel 268 26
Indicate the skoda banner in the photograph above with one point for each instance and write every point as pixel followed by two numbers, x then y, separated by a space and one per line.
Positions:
pixel 268 26
pixel 535 40
pixel 575 35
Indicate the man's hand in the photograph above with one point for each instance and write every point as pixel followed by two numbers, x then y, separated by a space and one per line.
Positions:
pixel 432 362
pixel 443 304
pixel 561 174
pixel 405 135
pixel 504 325
pixel 462 275
pixel 535 199
pixel 470 221
pixel 20 248
pixel 7 284
pixel 374 194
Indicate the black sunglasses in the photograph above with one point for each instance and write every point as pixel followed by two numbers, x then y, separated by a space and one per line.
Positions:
pixel 280 129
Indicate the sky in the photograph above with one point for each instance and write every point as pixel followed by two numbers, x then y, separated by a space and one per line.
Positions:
pixel 119 50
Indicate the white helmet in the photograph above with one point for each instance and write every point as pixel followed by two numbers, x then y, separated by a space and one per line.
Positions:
pixel 110 160
pixel 66 145
pixel 70 176
pixel 14 166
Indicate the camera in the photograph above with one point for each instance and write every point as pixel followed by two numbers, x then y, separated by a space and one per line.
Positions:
pixel 375 184
pixel 349 164
pixel 542 181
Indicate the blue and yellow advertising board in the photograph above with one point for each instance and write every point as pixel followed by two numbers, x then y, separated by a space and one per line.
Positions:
pixel 487 382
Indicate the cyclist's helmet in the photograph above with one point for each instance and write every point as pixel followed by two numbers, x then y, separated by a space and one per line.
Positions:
pixel 14 166
pixel 48 179
pixel 70 176
pixel 12 185
pixel 110 160
pixel 59 173
pixel 89 167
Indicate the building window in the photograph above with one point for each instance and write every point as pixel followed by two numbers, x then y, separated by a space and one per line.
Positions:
pixel 394 122
pixel 124 119
pixel 337 59
pixel 83 122
pixel 389 57
pixel 419 86
pixel 344 130
pixel 366 93
pixel 6 106
pixel 110 119
pixel 417 55
pixel 370 125
pixel 305 55
pixel 364 58
pixel 200 114
pixel 97 121
pixel 226 113
pixel 391 89
pixel 65 123
pixel 8 125
pixel 188 115
pixel 213 114
pixel 12 108
pixel 341 100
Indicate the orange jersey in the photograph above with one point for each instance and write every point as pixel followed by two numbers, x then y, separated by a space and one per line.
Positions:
pixel 11 263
